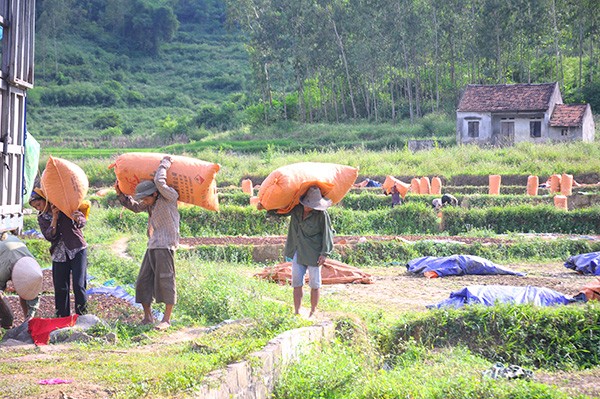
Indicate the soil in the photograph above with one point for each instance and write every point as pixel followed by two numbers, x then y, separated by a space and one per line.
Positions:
pixel 393 291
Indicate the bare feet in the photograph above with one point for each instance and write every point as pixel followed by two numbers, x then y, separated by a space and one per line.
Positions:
pixel 163 325
pixel 145 322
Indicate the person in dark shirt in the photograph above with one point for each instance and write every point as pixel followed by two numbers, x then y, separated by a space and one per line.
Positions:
pixel 396 200
pixel 68 250
pixel 309 242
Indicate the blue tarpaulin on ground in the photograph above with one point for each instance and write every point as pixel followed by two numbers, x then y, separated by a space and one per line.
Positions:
pixel 456 265
pixel 585 263
pixel 489 295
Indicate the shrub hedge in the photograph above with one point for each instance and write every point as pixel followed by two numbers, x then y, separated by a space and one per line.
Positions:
pixel 548 337
pixel 410 218
pixel 522 218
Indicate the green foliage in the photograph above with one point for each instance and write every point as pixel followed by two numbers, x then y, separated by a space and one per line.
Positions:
pixel 330 372
pixel 107 120
pixel 224 253
pixel 214 292
pixel 549 337
pixel 526 219
pixel 407 219
pixel 379 253
pixel 340 369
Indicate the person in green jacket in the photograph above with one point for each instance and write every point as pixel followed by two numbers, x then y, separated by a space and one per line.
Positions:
pixel 18 265
pixel 309 243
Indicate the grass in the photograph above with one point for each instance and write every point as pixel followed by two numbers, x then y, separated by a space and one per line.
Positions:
pixel 345 370
pixel 523 159
pixel 211 291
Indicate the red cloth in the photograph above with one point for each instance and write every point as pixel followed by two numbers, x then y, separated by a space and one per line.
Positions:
pixel 40 328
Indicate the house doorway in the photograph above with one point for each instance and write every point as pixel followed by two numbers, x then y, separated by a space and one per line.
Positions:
pixel 507 133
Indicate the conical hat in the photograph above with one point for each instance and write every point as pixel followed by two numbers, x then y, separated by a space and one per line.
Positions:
pixel 27 278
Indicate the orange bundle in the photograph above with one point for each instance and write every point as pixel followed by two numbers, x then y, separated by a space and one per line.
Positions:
pixel 283 187
pixel 64 184
pixel 193 179
pixel 391 181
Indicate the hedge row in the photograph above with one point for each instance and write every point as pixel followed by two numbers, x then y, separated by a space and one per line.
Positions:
pixel 523 219
pixel 369 200
pixel 553 337
pixel 411 218
pixel 382 253
pixel 394 253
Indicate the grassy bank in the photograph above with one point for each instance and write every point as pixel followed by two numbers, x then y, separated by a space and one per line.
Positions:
pixel 578 159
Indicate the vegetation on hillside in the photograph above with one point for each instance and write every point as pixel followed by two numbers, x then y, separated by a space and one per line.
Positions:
pixel 163 71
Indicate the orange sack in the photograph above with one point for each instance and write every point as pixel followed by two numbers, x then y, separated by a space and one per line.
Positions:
pixel 284 186
pixel 561 202
pixel 436 186
pixel 533 183
pixel 566 184
pixel 424 185
pixel 65 184
pixel 391 181
pixel 415 186
pixel 555 183
pixel 247 187
pixel 495 181
pixel 192 178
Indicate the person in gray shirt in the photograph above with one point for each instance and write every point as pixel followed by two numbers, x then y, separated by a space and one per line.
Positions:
pixel 18 265
pixel 156 278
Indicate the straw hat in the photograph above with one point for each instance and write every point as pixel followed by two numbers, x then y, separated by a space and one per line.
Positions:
pixel 145 188
pixel 315 200
pixel 27 278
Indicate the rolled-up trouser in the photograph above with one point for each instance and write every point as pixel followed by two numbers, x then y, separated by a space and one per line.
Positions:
pixel 6 315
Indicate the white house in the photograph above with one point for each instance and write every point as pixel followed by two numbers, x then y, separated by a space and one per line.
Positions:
pixel 508 114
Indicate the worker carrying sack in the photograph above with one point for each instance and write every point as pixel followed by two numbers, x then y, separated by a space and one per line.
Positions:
pixel 283 187
pixel 391 181
pixel 193 179
pixel 64 184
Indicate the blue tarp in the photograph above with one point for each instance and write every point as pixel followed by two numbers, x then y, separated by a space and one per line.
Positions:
pixel 585 263
pixel 456 265
pixel 488 295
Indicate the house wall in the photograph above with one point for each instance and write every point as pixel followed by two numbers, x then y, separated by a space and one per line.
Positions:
pixel 575 134
pixel 522 128
pixel 485 127
pixel 586 132
pixel 589 128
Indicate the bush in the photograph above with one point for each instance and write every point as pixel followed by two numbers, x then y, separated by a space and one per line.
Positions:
pixel 549 337
pixel 107 120
pixel 523 219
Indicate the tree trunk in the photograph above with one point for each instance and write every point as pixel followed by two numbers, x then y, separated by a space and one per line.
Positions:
pixel 345 62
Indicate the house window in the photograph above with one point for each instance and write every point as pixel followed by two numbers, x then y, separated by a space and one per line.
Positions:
pixel 564 132
pixel 473 128
pixel 535 128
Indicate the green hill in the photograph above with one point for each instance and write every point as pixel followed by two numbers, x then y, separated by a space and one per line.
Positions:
pixel 91 84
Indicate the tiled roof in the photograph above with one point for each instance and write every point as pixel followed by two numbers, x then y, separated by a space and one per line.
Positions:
pixel 568 115
pixel 517 97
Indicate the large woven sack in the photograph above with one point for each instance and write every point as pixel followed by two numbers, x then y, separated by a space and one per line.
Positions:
pixel 65 184
pixel 391 181
pixel 436 186
pixel 193 179
pixel 283 187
